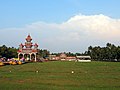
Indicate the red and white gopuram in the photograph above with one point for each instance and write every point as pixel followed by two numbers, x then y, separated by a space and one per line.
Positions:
pixel 28 50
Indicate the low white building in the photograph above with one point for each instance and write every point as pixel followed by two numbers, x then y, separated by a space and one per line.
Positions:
pixel 83 58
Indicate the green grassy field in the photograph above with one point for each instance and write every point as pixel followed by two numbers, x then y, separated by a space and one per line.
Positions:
pixel 57 76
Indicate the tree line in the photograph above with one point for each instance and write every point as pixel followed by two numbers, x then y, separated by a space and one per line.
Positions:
pixel 69 54
pixel 11 52
pixel 108 53
pixel 43 53
pixel 8 52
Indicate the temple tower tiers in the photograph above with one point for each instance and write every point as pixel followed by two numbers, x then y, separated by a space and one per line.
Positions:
pixel 28 51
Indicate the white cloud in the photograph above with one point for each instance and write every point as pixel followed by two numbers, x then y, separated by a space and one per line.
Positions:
pixel 95 25
pixel 75 35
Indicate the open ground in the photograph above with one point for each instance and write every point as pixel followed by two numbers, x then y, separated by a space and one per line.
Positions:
pixel 61 75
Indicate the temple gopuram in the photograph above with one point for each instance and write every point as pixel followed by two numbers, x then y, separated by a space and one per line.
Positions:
pixel 28 51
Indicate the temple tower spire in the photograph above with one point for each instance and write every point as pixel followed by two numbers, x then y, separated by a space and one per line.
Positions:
pixel 28 49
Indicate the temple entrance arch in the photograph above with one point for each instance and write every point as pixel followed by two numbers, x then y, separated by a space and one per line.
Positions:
pixel 27 57
pixel 28 50
pixel 20 55
pixel 33 56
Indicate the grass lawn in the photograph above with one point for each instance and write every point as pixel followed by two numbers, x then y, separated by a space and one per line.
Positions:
pixel 57 76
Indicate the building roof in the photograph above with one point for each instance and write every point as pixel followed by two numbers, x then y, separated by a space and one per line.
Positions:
pixel 28 38
pixel 21 45
pixel 83 56
pixel 71 57
pixel 36 45
pixel 63 55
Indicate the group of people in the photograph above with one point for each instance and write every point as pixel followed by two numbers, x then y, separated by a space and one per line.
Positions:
pixel 3 59
pixel 12 61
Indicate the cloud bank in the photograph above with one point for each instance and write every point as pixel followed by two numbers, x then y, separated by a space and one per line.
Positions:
pixel 74 35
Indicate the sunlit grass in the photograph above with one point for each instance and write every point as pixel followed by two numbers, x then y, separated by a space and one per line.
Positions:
pixel 57 76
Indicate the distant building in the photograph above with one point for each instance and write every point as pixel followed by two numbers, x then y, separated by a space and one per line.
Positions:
pixel 28 50
pixel 83 58
pixel 71 58
pixel 63 56
pixel 53 57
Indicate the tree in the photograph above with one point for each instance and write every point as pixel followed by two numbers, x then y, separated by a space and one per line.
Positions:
pixel 108 53
pixel 43 53
pixel 8 52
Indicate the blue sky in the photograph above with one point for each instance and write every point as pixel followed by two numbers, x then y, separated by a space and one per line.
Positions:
pixel 60 22
pixel 17 13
